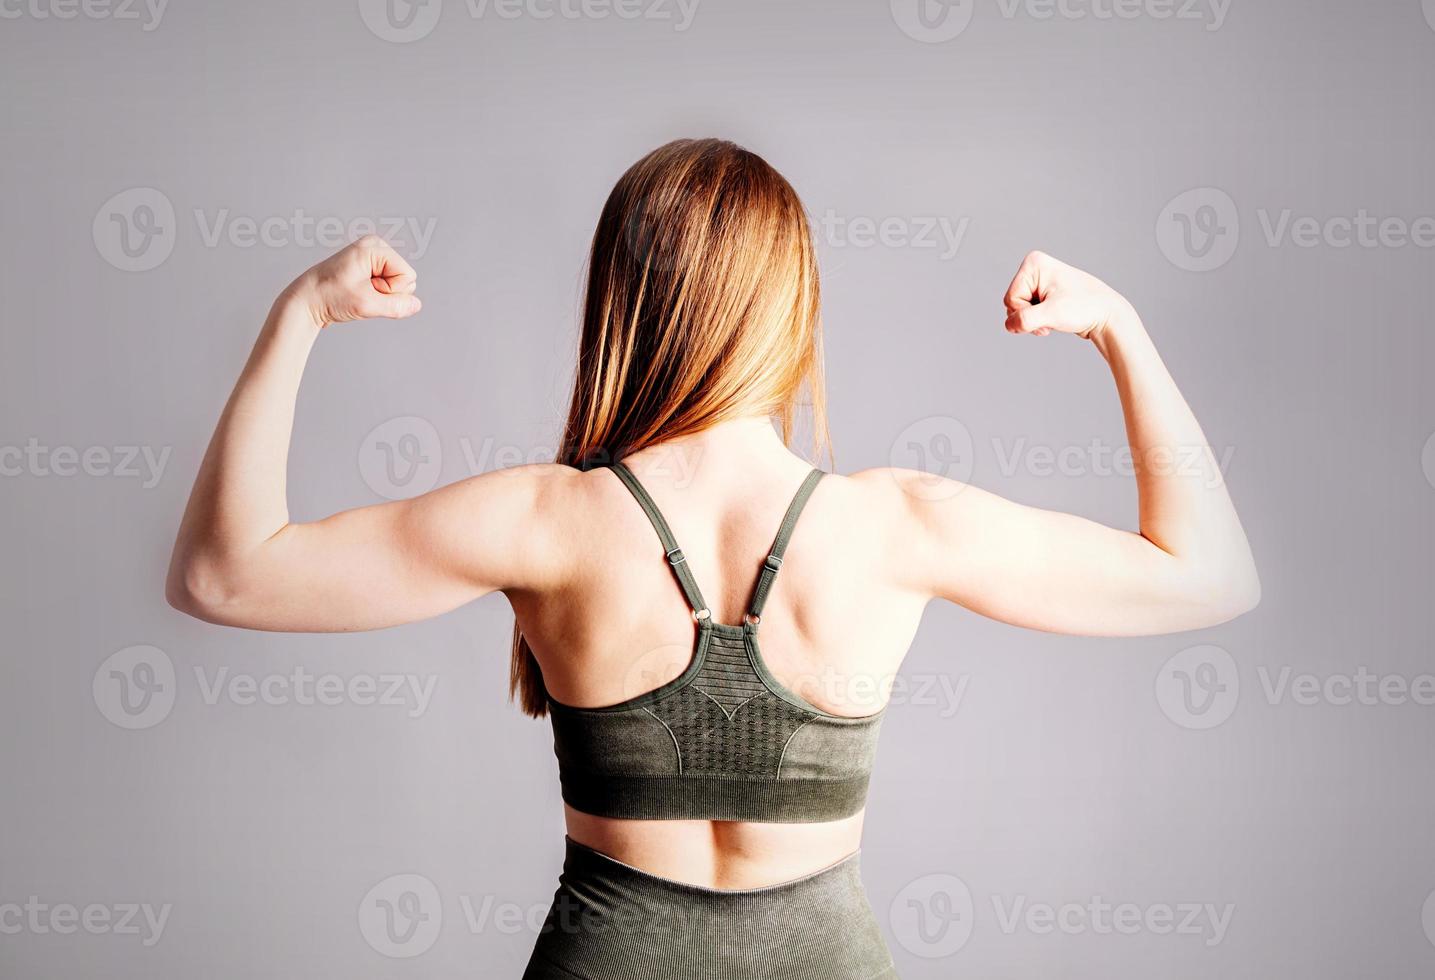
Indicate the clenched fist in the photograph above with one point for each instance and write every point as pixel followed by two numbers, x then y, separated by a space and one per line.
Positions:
pixel 364 280
pixel 1048 295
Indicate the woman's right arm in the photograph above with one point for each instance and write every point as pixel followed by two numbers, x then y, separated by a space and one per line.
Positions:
pixel 1189 566
pixel 240 561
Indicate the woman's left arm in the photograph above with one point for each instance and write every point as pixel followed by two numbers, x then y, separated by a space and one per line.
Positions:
pixel 1188 564
pixel 238 560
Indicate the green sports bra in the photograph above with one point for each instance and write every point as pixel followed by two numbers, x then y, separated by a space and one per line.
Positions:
pixel 724 740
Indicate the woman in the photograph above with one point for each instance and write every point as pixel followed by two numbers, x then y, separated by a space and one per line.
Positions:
pixel 713 786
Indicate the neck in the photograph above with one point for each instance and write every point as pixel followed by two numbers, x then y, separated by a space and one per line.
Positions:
pixel 747 440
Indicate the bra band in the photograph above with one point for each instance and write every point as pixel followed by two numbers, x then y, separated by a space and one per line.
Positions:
pixel 725 739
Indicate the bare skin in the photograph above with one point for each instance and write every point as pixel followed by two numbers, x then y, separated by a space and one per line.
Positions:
pixel 583 571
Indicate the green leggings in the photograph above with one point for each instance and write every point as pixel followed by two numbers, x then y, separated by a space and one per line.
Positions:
pixel 610 921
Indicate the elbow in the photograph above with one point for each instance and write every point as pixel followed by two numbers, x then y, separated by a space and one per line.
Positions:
pixel 200 587
pixel 1239 601
pixel 1230 593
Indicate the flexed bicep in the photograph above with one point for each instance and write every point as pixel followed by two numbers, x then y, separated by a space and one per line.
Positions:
pixel 1045 569
pixel 238 560
pixel 1189 564
pixel 386 564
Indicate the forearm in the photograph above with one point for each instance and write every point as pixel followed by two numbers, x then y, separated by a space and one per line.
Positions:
pixel 1185 509
pixel 239 497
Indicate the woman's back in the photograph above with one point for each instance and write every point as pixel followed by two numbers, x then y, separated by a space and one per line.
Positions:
pixel 625 627
pixel 834 626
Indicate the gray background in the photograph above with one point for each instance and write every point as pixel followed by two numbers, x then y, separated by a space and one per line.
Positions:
pixel 1068 770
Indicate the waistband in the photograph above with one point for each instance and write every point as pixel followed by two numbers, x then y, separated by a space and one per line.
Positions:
pixel 613 921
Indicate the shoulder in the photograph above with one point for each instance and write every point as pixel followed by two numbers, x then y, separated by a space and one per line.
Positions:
pixel 516 525
pixel 898 494
pixel 515 489
pixel 919 518
pixel 928 499
pixel 872 504
pixel 534 498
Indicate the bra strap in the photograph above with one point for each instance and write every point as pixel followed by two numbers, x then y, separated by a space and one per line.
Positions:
pixel 675 556
pixel 773 562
